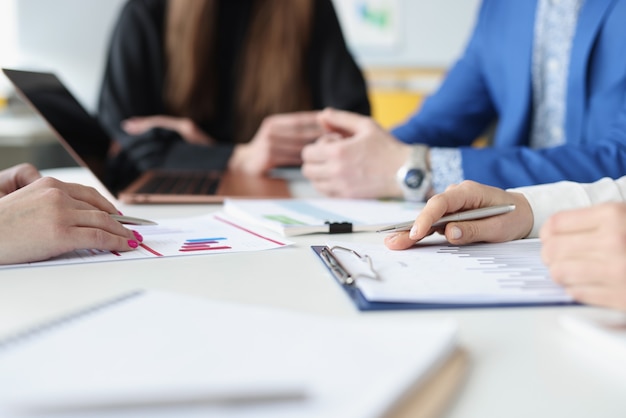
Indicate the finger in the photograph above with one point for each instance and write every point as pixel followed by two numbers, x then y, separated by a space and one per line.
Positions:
pixel 470 195
pixel 288 145
pixel 17 177
pixel 581 271
pixel 608 297
pixel 99 220
pixel 557 248
pixel 342 122
pixel 467 195
pixel 279 160
pixel 583 219
pixel 494 229
pixel 294 138
pixel 85 197
pixel 283 154
pixel 25 174
pixel 300 121
pixel 435 208
pixel 320 150
pixel 399 241
pixel 314 154
pixel 138 125
pixel 86 238
pixel 82 229
pixel 292 129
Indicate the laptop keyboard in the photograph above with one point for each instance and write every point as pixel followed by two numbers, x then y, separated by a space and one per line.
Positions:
pixel 196 183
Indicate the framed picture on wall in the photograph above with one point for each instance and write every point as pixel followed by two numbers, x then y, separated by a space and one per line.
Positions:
pixel 370 24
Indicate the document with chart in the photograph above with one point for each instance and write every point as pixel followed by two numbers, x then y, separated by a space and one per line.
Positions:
pixel 499 274
pixel 208 234
pixel 291 217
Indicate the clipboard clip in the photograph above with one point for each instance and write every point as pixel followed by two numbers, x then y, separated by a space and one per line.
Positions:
pixel 341 272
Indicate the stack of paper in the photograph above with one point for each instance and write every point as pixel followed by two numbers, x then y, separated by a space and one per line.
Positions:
pixel 167 355
pixel 307 216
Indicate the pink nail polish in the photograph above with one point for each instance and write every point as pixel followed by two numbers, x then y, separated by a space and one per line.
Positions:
pixel 132 243
pixel 138 236
pixel 119 212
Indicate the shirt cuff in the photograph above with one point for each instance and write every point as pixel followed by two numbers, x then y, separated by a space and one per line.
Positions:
pixel 547 199
pixel 446 167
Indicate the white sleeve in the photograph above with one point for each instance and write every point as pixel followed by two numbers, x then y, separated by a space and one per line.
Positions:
pixel 547 199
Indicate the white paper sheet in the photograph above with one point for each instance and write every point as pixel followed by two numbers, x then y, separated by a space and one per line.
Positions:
pixel 209 234
pixel 442 273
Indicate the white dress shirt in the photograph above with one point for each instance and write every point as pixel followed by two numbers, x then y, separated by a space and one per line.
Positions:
pixel 547 199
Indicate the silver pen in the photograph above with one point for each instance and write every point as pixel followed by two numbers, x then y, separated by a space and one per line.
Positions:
pixel 130 220
pixel 468 215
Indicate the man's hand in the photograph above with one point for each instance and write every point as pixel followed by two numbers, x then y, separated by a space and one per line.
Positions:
pixel 465 196
pixel 278 142
pixel 355 159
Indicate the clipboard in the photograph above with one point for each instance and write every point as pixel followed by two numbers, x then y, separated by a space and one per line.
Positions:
pixel 349 284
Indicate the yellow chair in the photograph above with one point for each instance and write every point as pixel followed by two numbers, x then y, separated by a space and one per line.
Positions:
pixel 397 93
pixel 390 108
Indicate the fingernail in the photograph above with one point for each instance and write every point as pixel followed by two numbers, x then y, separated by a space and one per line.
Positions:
pixel 456 232
pixel 132 243
pixel 119 212
pixel 138 236
pixel 413 232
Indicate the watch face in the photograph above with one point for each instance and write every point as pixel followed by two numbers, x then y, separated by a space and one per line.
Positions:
pixel 414 178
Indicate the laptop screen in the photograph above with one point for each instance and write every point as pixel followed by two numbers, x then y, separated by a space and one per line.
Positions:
pixel 78 131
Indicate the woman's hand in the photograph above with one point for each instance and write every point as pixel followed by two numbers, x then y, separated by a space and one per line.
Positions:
pixel 278 142
pixel 469 195
pixel 185 127
pixel 585 251
pixel 47 218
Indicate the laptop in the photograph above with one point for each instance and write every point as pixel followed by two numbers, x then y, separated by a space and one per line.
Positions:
pixel 88 143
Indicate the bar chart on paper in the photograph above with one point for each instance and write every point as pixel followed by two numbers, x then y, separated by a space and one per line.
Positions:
pixel 513 267
pixel 204 244
pixel 475 274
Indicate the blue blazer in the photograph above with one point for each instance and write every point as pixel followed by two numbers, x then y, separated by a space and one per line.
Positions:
pixel 491 84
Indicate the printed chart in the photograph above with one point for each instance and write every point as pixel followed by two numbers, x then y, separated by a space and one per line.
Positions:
pixel 209 234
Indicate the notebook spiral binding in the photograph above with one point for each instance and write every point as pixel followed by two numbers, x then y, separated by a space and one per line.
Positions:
pixel 36 330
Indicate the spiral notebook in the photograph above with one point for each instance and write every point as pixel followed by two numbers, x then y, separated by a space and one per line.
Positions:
pixel 182 356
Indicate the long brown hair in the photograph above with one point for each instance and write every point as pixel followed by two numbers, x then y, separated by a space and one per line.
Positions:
pixel 272 74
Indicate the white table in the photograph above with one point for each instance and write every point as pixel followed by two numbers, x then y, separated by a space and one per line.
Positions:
pixel 522 363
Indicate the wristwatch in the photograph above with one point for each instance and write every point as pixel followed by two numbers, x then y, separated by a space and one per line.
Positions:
pixel 414 176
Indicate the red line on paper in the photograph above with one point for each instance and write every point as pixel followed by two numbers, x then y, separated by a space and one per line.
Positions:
pixel 145 247
pixel 247 230
pixel 116 253
pixel 195 244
